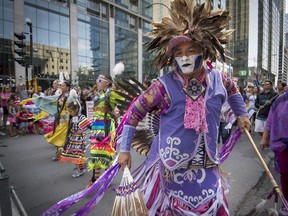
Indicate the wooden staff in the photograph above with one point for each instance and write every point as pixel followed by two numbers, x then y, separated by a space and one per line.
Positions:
pixel 271 178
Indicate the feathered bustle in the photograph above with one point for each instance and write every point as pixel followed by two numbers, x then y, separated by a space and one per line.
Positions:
pixel 148 128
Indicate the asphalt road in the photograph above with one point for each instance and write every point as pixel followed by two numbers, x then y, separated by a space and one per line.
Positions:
pixel 40 182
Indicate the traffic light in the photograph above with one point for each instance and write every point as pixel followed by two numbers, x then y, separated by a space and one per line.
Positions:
pixel 20 45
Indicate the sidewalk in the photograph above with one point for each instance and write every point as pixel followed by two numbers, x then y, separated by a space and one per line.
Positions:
pixel 15 211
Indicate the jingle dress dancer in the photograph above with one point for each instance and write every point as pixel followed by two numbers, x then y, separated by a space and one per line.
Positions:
pixel 103 127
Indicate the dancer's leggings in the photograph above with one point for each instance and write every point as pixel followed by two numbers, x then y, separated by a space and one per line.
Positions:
pixel 96 174
pixel 282 160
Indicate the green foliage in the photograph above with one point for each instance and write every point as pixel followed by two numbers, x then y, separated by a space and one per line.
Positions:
pixel 86 77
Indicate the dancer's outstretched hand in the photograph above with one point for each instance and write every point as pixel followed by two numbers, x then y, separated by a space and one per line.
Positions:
pixel 124 159
pixel 244 122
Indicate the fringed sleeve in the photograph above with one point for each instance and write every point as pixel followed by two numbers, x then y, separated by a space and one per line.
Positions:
pixel 154 99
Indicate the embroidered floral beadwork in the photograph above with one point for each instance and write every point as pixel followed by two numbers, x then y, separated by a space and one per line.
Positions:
pixel 195 111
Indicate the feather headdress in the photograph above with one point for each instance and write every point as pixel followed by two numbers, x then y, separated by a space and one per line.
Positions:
pixel 189 21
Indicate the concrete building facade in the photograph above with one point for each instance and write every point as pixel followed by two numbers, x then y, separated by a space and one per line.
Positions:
pixel 87 36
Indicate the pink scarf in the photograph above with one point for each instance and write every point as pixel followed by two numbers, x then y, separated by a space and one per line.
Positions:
pixel 195 112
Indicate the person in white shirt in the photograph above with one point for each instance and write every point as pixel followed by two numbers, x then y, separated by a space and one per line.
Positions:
pixel 38 93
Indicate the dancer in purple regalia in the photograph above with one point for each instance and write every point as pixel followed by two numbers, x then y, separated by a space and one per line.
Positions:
pixel 182 169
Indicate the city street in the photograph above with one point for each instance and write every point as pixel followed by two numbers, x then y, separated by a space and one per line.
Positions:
pixel 40 182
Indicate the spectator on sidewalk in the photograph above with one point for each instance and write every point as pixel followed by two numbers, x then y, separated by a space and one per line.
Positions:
pixel 11 120
pixel 1 118
pixel 56 90
pixel 276 131
pixel 281 87
pixel 263 103
pixel 22 92
pixel 38 93
pixel 23 116
pixel 5 95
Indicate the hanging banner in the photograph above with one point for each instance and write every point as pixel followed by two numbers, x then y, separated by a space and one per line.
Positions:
pixel 29 73
pixel 89 109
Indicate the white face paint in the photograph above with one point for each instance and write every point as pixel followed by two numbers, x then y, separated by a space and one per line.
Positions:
pixel 188 64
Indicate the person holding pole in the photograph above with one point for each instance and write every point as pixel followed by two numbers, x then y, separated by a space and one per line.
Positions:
pixel 276 132
pixel 182 169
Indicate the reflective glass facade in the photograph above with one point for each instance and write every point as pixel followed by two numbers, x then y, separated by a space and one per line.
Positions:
pixel 6 37
pixel 126 50
pixel 93 44
pixel 264 35
pixel 274 40
pixel 50 36
pixel 86 36
pixel 239 41
pixel 257 38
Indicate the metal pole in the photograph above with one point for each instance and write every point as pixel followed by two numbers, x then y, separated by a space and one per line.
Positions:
pixel 17 202
pixel 5 201
pixel 26 73
pixel 9 68
pixel 31 50
pixel 230 76
pixel 2 169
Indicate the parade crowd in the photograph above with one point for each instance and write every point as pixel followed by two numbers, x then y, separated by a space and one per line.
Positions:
pixel 18 119
pixel 188 111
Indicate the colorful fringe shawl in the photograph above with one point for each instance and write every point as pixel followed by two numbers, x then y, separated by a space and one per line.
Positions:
pixel 102 184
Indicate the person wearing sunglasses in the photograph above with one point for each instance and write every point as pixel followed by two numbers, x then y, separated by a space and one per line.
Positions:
pixel 263 103
pixel 103 127
pixel 275 133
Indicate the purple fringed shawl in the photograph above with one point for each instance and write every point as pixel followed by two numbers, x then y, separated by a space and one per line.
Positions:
pixel 229 145
pixel 105 180
pixel 102 183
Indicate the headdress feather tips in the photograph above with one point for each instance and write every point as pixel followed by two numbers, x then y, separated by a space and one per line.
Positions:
pixel 61 77
pixel 198 23
pixel 118 69
pixel 73 94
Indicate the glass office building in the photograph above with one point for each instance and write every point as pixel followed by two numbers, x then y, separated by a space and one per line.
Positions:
pixel 77 36
pixel 257 44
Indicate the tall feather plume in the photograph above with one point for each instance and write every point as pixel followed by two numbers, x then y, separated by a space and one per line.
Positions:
pixel 118 69
pixel 66 75
pixel 73 94
pixel 201 23
pixel 61 77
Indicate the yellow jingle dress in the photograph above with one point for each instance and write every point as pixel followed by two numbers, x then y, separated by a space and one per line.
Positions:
pixel 58 136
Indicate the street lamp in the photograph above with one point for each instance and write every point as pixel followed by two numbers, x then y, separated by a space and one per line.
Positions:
pixel 9 68
pixel 230 59
pixel 29 23
pixel 149 6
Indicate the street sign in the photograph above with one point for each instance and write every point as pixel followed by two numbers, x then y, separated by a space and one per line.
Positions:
pixel 242 73
pixel 29 73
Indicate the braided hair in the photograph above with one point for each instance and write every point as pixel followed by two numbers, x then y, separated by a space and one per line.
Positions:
pixel 59 107
pixel 107 106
